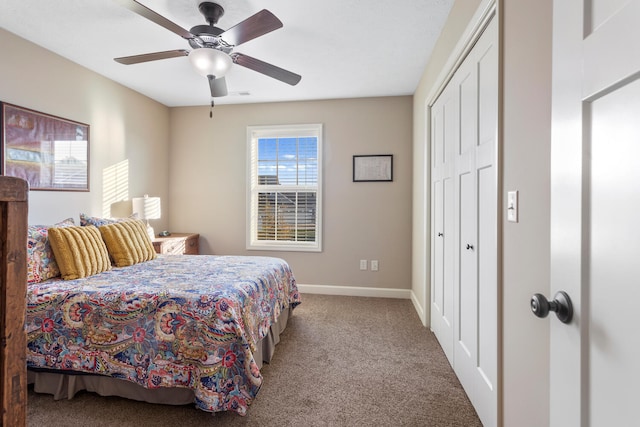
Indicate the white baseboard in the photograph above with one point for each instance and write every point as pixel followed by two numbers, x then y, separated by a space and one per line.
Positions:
pixel 356 291
pixel 419 309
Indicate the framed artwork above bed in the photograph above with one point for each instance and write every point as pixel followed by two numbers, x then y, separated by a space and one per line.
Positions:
pixel 50 153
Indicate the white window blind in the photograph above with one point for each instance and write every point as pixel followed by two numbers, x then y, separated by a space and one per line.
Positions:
pixel 284 191
pixel 70 164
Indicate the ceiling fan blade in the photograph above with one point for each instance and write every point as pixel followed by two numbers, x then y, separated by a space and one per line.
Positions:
pixel 144 11
pixel 136 59
pixel 266 69
pixel 254 26
pixel 218 86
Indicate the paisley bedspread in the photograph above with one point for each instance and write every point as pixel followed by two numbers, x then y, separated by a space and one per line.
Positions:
pixel 176 321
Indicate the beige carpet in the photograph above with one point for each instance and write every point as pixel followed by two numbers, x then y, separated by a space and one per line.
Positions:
pixel 342 361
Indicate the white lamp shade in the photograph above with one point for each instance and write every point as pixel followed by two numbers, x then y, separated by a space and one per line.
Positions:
pixel 210 62
pixel 146 207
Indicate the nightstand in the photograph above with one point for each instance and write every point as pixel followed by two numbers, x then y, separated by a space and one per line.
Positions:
pixel 178 244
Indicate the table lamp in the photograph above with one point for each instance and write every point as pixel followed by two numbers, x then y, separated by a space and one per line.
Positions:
pixel 147 208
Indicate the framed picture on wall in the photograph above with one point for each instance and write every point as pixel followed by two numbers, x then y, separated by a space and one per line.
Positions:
pixel 372 168
pixel 50 153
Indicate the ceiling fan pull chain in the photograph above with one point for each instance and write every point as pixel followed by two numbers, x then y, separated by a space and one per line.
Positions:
pixel 211 111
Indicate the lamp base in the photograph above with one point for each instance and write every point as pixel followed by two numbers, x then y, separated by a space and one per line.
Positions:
pixel 150 232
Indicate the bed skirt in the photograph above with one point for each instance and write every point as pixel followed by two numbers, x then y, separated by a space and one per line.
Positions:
pixel 65 386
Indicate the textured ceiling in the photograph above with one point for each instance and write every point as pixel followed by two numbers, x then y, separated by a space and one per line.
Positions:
pixel 342 48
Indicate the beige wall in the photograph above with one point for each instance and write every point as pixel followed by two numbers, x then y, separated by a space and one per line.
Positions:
pixel 125 127
pixel 207 157
pixel 525 139
pixel 360 221
pixel 526 147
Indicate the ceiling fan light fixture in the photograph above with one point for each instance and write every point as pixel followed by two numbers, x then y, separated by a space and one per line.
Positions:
pixel 210 62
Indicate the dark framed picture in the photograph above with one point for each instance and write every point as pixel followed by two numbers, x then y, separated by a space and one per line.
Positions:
pixel 50 153
pixel 372 168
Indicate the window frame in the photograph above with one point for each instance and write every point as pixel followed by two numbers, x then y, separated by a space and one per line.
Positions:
pixel 254 133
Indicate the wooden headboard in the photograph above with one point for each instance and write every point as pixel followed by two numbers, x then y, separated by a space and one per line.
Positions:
pixel 14 193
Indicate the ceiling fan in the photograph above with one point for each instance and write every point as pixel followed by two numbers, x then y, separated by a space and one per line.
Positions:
pixel 212 48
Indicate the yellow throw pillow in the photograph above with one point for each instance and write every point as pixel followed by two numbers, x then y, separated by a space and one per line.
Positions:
pixel 79 251
pixel 128 242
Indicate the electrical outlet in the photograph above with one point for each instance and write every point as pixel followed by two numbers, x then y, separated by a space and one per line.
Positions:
pixel 363 264
pixel 374 265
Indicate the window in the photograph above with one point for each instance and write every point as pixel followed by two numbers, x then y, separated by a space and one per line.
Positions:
pixel 285 187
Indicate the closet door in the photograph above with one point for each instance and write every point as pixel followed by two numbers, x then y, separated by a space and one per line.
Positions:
pixel 464 286
pixel 444 128
pixel 476 292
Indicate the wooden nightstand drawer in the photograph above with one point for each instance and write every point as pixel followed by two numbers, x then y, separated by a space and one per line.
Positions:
pixel 178 244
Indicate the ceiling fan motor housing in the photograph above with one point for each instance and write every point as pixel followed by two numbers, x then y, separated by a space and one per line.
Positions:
pixel 208 36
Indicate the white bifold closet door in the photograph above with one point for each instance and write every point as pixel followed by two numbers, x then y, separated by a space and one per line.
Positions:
pixel 444 127
pixel 464 292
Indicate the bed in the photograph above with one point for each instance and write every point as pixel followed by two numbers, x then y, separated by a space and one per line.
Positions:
pixel 172 329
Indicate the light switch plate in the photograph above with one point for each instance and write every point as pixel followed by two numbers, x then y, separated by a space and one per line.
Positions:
pixel 512 206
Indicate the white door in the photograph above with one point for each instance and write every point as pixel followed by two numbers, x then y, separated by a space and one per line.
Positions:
pixel 475 273
pixel 444 134
pixel 595 214
pixel 464 292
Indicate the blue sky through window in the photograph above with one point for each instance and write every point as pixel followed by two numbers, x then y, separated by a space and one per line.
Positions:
pixel 293 161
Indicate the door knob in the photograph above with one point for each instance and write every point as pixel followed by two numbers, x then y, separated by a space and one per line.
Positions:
pixel 561 304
